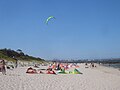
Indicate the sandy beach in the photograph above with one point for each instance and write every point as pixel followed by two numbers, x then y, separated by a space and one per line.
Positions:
pixel 99 78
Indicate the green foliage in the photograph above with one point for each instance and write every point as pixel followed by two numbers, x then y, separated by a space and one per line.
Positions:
pixel 9 54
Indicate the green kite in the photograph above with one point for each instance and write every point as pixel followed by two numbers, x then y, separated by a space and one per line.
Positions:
pixel 50 17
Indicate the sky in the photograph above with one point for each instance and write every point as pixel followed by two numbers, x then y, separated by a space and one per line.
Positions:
pixel 83 29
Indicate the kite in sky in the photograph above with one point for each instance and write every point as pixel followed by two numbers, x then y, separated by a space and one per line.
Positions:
pixel 50 17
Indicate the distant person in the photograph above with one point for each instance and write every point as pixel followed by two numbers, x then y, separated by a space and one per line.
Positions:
pixel 2 67
pixel 58 67
pixel 86 65
pixel 16 63
pixel 92 65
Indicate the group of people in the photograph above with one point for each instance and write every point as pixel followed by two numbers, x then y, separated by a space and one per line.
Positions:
pixel 91 65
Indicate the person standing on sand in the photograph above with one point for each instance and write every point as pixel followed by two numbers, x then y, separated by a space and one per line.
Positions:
pixel 3 70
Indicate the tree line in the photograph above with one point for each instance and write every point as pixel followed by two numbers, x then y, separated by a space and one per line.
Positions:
pixel 10 54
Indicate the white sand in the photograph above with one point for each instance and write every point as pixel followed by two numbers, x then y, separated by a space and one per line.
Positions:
pixel 100 78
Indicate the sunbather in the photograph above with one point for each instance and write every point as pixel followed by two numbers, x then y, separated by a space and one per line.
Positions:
pixel 31 70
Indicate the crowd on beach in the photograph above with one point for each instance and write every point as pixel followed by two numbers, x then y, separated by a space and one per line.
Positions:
pixel 52 67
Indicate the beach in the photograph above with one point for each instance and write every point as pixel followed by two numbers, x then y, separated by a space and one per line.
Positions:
pixel 98 78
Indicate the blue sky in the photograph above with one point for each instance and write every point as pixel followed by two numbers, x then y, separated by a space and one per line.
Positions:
pixel 82 28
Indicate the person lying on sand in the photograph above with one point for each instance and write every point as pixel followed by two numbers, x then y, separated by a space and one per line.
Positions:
pixel 31 70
